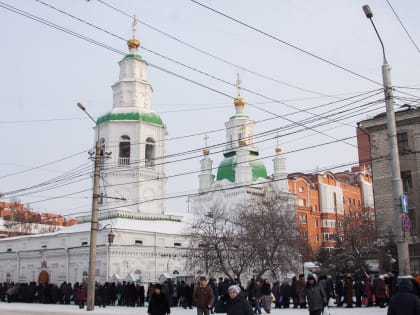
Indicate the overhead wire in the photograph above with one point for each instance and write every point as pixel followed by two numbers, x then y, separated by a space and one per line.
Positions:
pixel 211 55
pixel 284 42
pixel 72 33
pixel 402 25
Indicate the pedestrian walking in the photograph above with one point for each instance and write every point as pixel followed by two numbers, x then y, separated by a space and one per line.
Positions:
pixel 266 296
pixel 203 297
pixel 235 304
pixel 404 301
pixel 315 295
pixel 159 303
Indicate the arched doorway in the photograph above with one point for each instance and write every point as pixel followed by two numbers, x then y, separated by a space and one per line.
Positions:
pixel 44 277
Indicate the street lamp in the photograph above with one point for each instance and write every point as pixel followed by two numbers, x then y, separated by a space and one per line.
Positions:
pixel 90 303
pixel 397 189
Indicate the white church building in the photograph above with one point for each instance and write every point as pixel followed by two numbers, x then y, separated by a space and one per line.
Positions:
pixel 241 176
pixel 148 242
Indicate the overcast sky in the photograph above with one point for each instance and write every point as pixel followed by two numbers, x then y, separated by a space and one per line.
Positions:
pixel 314 64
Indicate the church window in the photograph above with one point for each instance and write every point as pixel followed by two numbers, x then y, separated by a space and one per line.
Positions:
pixel 150 152
pixel 124 153
pixel 84 243
pixel 138 242
pixel 9 250
pixel 177 244
pixel 175 272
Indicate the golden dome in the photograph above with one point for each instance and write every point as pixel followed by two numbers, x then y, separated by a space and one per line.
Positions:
pixel 277 149
pixel 133 43
pixel 206 151
pixel 239 101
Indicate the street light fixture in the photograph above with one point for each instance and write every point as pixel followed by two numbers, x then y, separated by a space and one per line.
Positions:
pixel 397 189
pixel 90 303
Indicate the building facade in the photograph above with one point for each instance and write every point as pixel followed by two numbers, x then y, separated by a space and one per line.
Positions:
pixel 374 148
pixel 147 241
pixel 324 201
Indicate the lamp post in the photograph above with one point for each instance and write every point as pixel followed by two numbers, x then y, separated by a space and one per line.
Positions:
pixel 90 303
pixel 397 189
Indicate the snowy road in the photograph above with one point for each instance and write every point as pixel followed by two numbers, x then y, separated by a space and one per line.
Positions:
pixel 35 309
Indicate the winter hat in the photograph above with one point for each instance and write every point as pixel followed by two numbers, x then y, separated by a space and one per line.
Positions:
pixel 310 277
pixel 234 288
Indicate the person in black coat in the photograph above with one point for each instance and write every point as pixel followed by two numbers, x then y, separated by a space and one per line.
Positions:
pixel 317 298
pixel 405 300
pixel 235 304
pixel 285 293
pixel 159 303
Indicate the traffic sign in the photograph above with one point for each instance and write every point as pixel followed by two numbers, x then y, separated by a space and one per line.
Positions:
pixel 405 222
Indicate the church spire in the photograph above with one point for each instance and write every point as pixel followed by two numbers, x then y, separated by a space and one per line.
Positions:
pixel 239 101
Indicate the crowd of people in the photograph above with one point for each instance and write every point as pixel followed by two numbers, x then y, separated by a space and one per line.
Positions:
pixel 225 295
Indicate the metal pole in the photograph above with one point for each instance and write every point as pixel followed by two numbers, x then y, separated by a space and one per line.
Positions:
pixel 90 304
pixel 397 188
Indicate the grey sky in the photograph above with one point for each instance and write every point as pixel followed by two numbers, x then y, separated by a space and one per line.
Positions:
pixel 45 72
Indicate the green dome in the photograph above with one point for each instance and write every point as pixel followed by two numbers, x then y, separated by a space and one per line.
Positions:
pixel 147 117
pixel 226 169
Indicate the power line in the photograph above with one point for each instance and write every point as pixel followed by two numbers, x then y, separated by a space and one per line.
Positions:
pixel 402 25
pixel 285 43
pixel 212 55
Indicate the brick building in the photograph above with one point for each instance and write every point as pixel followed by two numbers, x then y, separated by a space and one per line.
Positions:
pixel 374 148
pixel 324 200
pixel 16 220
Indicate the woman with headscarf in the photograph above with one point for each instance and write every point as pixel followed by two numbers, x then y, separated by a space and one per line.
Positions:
pixel 266 296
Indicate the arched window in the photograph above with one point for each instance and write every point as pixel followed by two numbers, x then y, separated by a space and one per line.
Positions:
pixel 124 153
pixel 149 155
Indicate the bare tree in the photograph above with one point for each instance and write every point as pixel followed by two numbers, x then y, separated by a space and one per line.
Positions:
pixel 271 232
pixel 217 243
pixel 355 243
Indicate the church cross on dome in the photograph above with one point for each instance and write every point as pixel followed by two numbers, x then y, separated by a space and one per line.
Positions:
pixel 238 85
pixel 133 26
pixel 206 150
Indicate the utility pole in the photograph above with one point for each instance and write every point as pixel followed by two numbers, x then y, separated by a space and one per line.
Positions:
pixel 90 303
pixel 397 188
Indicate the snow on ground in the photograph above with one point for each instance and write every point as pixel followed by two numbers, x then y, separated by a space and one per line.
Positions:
pixel 25 309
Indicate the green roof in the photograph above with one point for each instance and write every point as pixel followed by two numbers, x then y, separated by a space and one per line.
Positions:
pixel 239 116
pixel 146 117
pixel 136 56
pixel 226 169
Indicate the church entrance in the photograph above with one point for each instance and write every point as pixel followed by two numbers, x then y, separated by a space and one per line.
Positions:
pixel 44 277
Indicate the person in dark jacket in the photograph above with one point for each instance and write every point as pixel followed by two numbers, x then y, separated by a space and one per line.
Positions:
pixel 405 300
pixel 316 296
pixel 203 297
pixel 348 291
pixel 159 303
pixel 236 304
pixel 285 293
pixel 266 296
